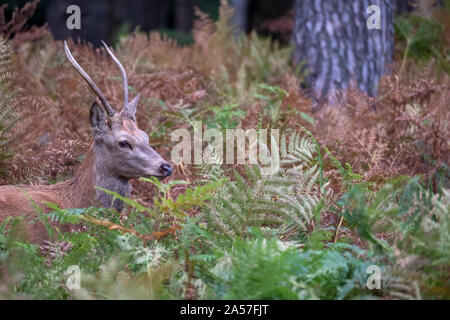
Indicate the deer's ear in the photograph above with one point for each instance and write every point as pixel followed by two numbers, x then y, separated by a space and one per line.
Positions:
pixel 132 106
pixel 97 118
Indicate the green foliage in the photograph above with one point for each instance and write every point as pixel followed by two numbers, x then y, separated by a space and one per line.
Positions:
pixel 225 117
pixel 418 219
pixel 250 61
pixel 423 38
pixel 231 234
pixel 420 34
pixel 181 38
pixel 280 203
pixel 266 58
pixel 231 247
pixel 190 199
pixel 108 245
pixel 211 7
pixel 248 271
pixel 273 97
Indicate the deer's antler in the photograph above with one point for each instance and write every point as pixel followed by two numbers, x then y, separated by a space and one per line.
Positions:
pixel 89 81
pixel 124 75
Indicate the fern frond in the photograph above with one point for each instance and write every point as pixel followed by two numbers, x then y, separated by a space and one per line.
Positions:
pixel 8 94
pixel 287 199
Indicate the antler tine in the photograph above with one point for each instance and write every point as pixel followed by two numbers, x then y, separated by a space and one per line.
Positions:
pixel 124 75
pixel 89 81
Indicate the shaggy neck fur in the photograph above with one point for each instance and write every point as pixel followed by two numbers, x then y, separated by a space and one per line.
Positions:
pixel 92 173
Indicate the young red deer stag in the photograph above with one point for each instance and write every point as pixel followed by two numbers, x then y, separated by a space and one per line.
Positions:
pixel 120 151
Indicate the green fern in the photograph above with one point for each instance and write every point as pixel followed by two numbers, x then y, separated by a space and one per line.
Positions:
pixel 247 271
pixel 420 222
pixel 281 203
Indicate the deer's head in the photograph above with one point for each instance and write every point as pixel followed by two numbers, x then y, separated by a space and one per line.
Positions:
pixel 123 148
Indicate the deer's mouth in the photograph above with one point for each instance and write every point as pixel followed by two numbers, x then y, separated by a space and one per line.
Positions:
pixel 160 178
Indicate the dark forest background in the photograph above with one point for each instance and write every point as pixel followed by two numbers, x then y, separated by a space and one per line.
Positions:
pixel 109 19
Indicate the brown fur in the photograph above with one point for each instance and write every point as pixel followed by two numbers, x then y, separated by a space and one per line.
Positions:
pixel 120 152
pixel 77 192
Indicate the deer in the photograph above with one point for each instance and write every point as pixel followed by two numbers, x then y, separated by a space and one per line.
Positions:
pixel 119 152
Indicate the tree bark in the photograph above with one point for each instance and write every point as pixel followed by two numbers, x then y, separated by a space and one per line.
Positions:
pixel 240 17
pixel 184 15
pixel 333 40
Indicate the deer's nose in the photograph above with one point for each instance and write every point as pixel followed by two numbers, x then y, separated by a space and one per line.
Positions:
pixel 166 169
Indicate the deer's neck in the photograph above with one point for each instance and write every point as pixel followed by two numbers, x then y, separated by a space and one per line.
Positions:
pixel 106 180
pixel 91 174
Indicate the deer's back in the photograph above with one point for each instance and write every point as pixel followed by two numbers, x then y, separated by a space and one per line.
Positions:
pixel 18 201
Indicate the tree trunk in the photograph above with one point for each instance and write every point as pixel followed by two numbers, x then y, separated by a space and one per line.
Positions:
pixel 240 17
pixel 333 40
pixel 184 15
pixel 100 19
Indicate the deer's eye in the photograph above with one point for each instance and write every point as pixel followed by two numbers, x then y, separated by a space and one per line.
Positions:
pixel 125 144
